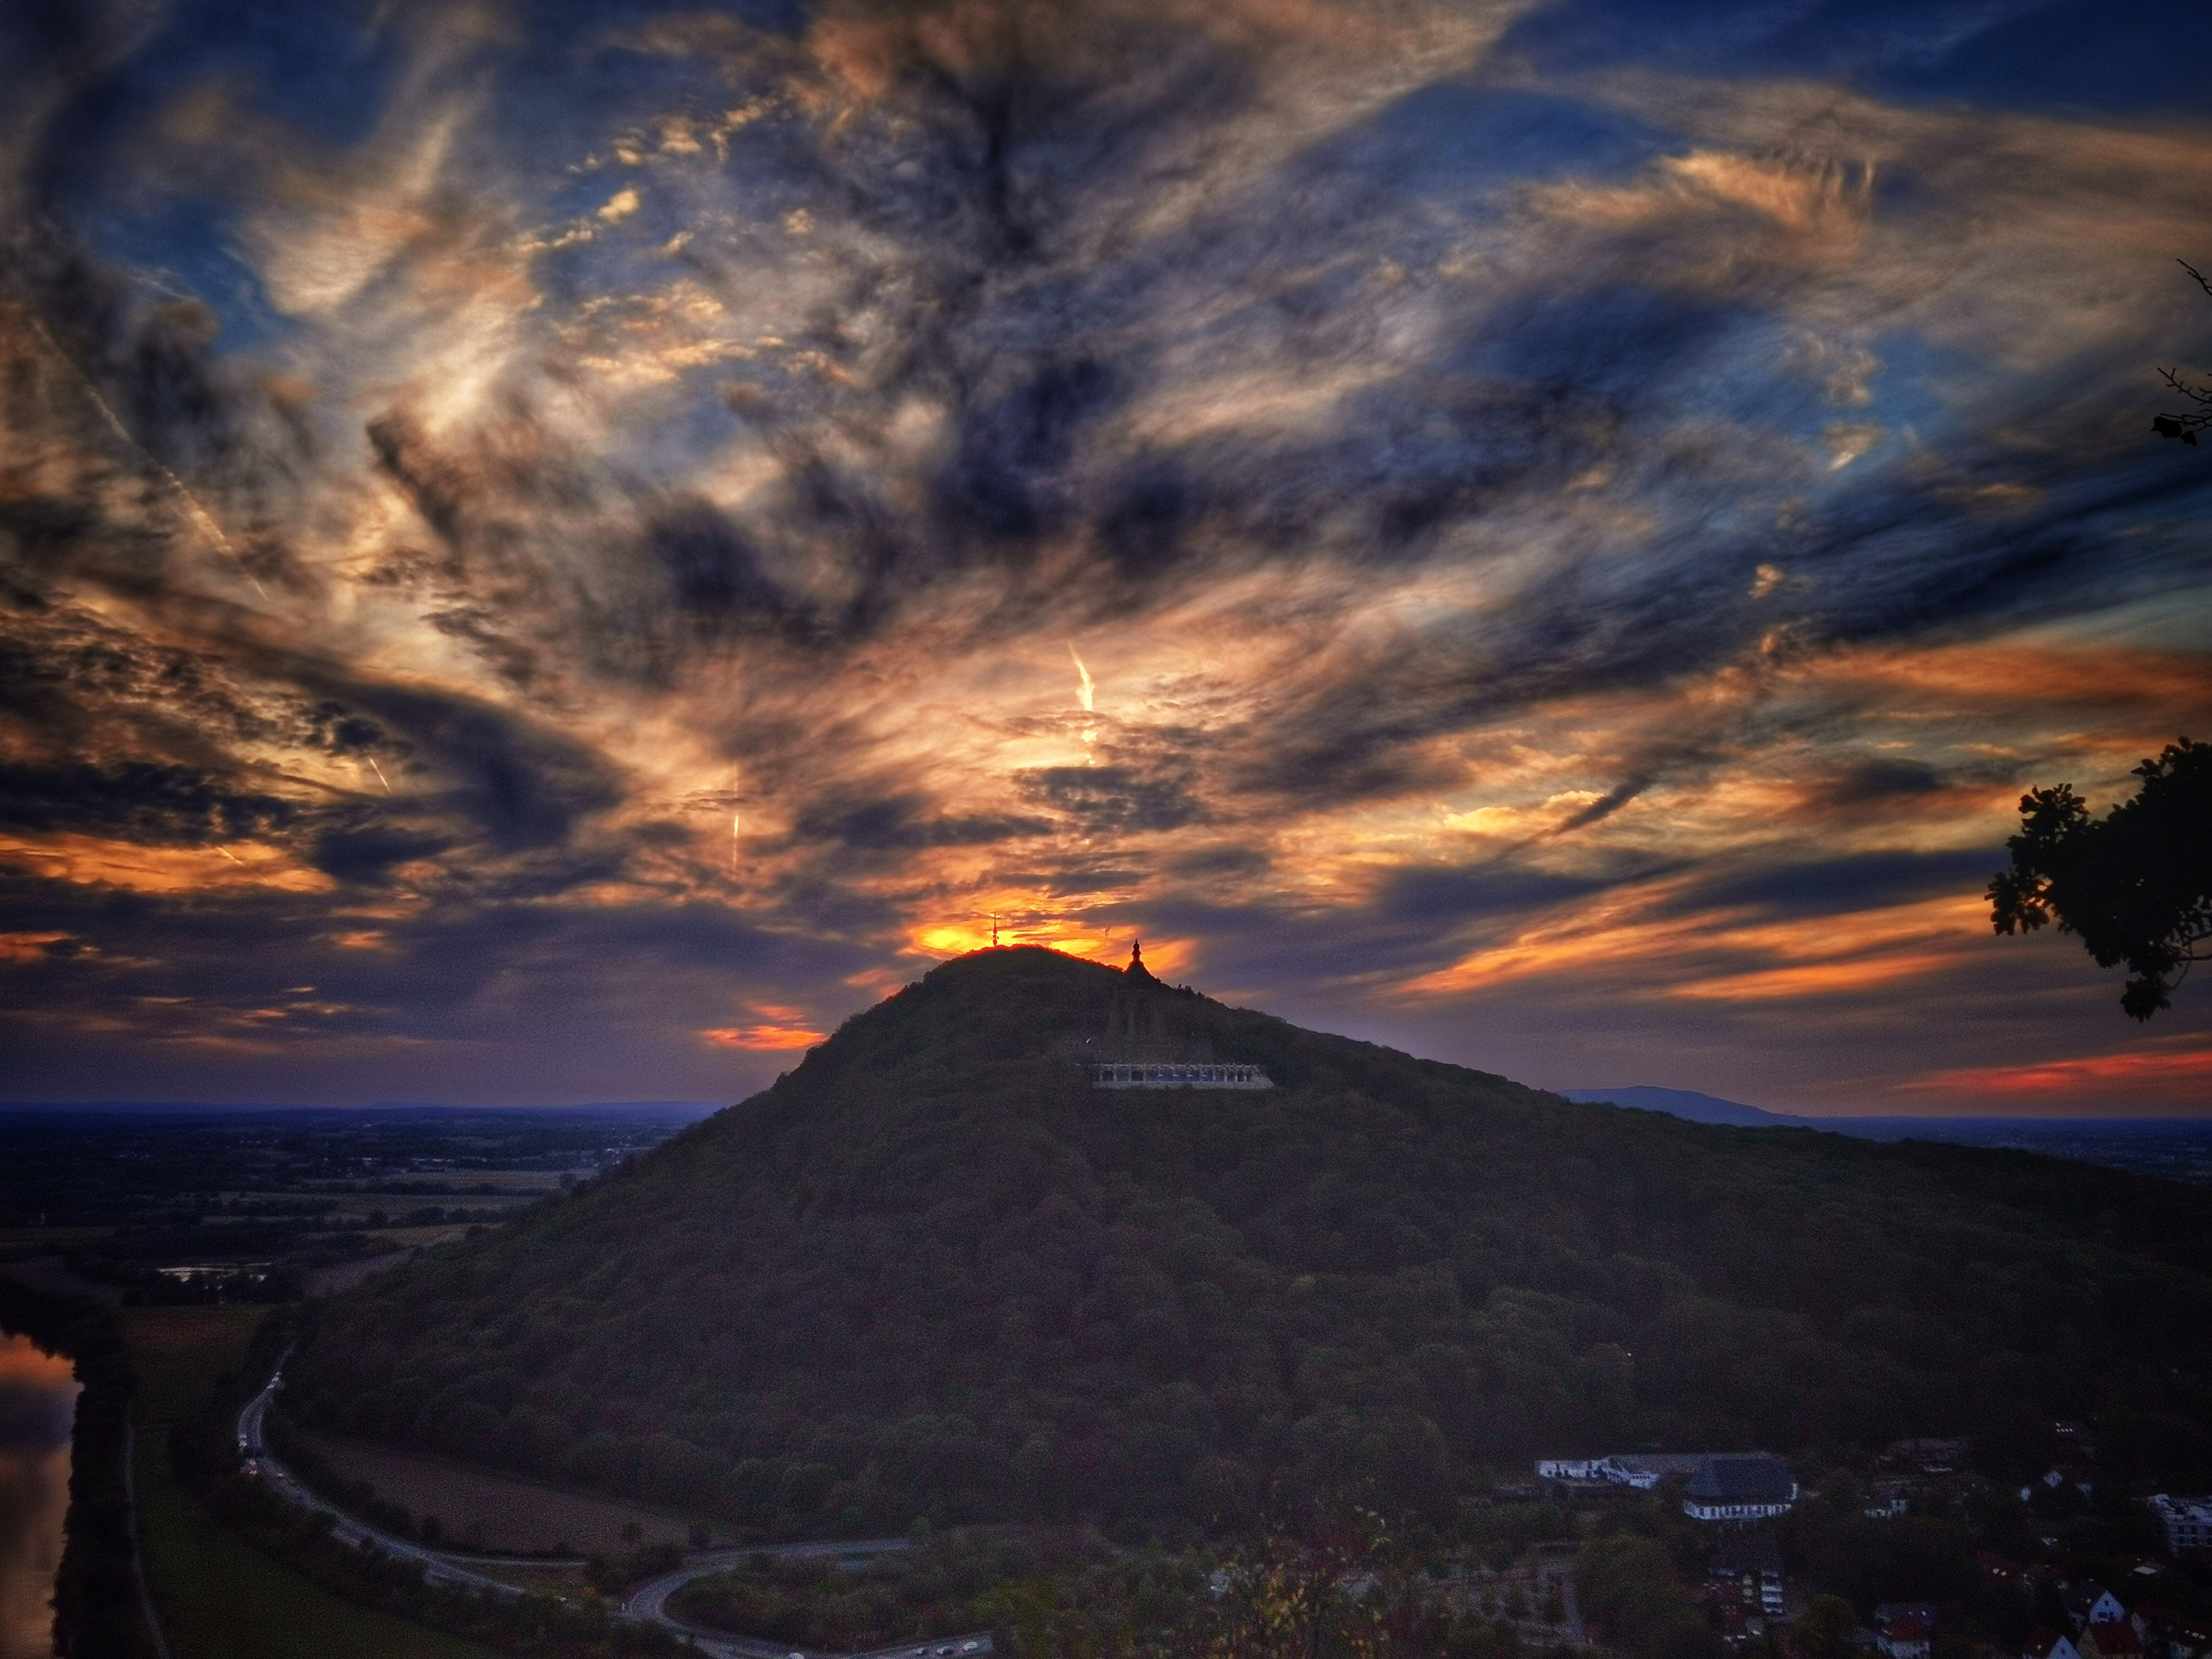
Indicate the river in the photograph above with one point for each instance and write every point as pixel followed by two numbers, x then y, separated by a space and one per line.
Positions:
pixel 38 1405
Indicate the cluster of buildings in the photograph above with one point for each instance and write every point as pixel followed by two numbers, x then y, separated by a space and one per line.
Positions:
pixel 1904 1629
pixel 2102 1626
pixel 2107 1630
pixel 1738 1493
pixel 1722 1486
pixel 2187 1521
pixel 1741 1494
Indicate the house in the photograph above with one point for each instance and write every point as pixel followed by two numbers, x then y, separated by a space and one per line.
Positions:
pixel 1902 1629
pixel 2187 1521
pixel 1738 1486
pixel 2100 1606
pixel 1639 1470
pixel 1887 1502
pixel 2083 1479
pixel 1747 1564
pixel 1644 1470
pixel 1580 1470
pixel 2110 1638
pixel 2047 1644
pixel 1933 1456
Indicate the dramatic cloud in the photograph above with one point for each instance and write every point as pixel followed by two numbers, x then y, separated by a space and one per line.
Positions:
pixel 547 550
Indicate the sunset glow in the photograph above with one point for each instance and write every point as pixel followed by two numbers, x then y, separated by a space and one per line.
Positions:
pixel 603 544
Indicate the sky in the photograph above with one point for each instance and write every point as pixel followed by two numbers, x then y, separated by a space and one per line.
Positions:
pixel 556 552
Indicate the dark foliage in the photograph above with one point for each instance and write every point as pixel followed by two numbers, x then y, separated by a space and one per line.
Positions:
pixel 2136 885
pixel 1630 1591
pixel 97 1607
pixel 932 1273
pixel 2186 425
pixel 948 1584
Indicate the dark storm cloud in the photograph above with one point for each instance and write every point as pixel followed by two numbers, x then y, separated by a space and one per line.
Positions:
pixel 521 786
pixel 1219 861
pixel 1832 886
pixel 135 800
pixel 366 852
pixel 1442 894
pixel 1606 805
pixel 904 823
pixel 1113 800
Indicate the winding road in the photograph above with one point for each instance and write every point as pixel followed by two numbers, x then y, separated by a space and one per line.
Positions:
pixel 647 1604
pixel 253 1446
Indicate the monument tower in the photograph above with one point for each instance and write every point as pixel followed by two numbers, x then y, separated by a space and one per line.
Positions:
pixel 1148 1044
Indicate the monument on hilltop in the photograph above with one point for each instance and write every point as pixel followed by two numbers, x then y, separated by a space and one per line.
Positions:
pixel 1148 1043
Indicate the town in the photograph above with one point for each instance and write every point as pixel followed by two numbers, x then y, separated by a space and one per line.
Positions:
pixel 2070 1562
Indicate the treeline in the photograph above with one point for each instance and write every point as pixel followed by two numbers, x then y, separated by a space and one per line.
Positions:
pixel 1336 1586
pixel 98 1611
pixel 931 1272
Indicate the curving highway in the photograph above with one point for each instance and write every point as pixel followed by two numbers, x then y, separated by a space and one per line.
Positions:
pixel 647 1604
pixel 261 1463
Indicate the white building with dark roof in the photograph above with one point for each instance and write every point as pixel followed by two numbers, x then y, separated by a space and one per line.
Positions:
pixel 1738 1486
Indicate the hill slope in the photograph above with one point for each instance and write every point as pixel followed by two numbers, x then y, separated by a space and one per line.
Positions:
pixel 931 1271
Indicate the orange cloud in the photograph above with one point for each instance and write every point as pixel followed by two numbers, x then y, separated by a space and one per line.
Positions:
pixel 2170 1076
pixel 92 861
pixel 28 1367
pixel 26 947
pixel 2012 675
pixel 764 1037
pixel 1814 957
pixel 1816 979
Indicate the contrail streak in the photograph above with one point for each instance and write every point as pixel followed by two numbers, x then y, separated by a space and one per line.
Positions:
pixel 378 770
pixel 199 515
pixel 1085 693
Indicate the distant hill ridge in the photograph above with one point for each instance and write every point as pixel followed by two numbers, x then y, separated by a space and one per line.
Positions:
pixel 1687 1103
pixel 933 1272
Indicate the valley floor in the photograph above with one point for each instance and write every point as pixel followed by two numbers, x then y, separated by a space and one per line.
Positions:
pixel 497 1513
pixel 218 1597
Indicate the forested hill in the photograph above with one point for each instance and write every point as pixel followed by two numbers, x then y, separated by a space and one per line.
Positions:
pixel 932 1271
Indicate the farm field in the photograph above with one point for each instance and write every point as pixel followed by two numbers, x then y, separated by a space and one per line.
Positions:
pixel 178 1353
pixel 40 1241
pixel 494 1512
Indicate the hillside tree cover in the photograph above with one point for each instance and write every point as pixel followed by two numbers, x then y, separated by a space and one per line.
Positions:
pixel 2136 885
pixel 931 1272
